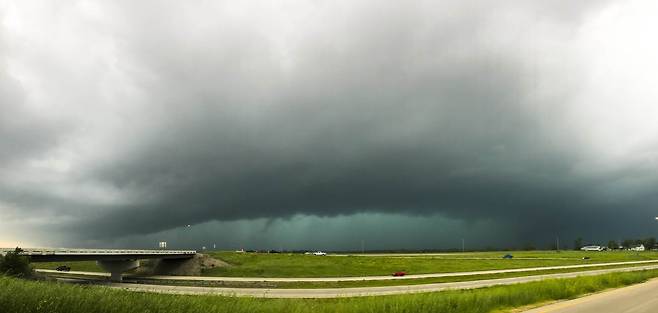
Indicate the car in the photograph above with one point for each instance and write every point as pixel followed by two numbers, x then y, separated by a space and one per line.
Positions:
pixel 592 248
pixel 319 253
pixel 399 273
pixel 507 256
pixel 63 268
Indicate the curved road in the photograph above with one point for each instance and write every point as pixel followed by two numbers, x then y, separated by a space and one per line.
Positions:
pixel 363 278
pixel 357 292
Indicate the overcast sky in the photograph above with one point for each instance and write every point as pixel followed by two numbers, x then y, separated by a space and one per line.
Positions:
pixel 304 124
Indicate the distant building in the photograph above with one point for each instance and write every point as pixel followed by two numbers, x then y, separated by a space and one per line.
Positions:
pixel 637 248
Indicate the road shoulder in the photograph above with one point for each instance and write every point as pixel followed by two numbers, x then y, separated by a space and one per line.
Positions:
pixel 609 295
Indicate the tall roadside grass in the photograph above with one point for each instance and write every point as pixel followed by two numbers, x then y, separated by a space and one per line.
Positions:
pixel 18 296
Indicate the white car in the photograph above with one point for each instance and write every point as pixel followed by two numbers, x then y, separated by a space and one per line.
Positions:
pixel 319 253
pixel 592 248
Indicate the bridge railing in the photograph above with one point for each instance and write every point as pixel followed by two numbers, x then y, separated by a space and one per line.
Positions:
pixel 65 251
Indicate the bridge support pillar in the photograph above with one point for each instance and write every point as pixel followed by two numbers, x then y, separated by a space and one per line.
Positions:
pixel 117 267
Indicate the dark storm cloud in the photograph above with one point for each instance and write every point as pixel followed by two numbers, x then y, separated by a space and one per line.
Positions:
pixel 388 117
pixel 414 109
pixel 21 133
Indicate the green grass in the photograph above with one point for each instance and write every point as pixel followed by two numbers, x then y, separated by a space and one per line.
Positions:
pixel 19 296
pixel 360 283
pixel 80 266
pixel 296 265
pixel 564 254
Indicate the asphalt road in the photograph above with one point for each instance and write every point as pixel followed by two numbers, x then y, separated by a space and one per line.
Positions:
pixel 641 298
pixel 362 291
pixel 363 278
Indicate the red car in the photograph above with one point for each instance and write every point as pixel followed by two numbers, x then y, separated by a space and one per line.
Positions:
pixel 400 273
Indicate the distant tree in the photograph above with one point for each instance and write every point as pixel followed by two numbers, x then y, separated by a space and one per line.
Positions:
pixel 627 243
pixel 649 243
pixel 612 245
pixel 578 243
pixel 15 264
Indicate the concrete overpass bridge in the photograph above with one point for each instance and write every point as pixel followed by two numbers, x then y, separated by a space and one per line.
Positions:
pixel 115 261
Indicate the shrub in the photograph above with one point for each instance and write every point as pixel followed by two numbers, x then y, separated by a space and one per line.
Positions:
pixel 15 264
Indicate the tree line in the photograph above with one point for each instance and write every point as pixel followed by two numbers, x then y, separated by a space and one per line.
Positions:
pixel 649 243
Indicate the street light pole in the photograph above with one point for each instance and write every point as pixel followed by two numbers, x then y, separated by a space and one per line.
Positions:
pixel 557 243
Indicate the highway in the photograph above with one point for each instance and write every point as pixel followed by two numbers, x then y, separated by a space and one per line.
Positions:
pixel 368 278
pixel 641 298
pixel 358 292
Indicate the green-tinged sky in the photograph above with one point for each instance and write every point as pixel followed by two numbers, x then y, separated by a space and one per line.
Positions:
pixel 305 124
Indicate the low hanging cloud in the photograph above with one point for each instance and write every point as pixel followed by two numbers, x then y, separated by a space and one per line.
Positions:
pixel 159 114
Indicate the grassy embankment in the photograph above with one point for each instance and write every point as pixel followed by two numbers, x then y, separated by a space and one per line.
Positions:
pixel 20 296
pixel 296 265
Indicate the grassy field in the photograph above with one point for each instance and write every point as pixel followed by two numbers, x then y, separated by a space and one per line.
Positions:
pixel 81 266
pixel 20 296
pixel 360 283
pixel 298 265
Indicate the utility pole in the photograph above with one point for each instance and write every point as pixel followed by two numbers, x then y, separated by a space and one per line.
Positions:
pixel 557 243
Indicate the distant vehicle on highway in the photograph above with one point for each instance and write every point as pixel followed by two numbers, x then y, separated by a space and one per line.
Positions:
pixel 320 253
pixel 63 268
pixel 507 256
pixel 399 273
pixel 592 248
